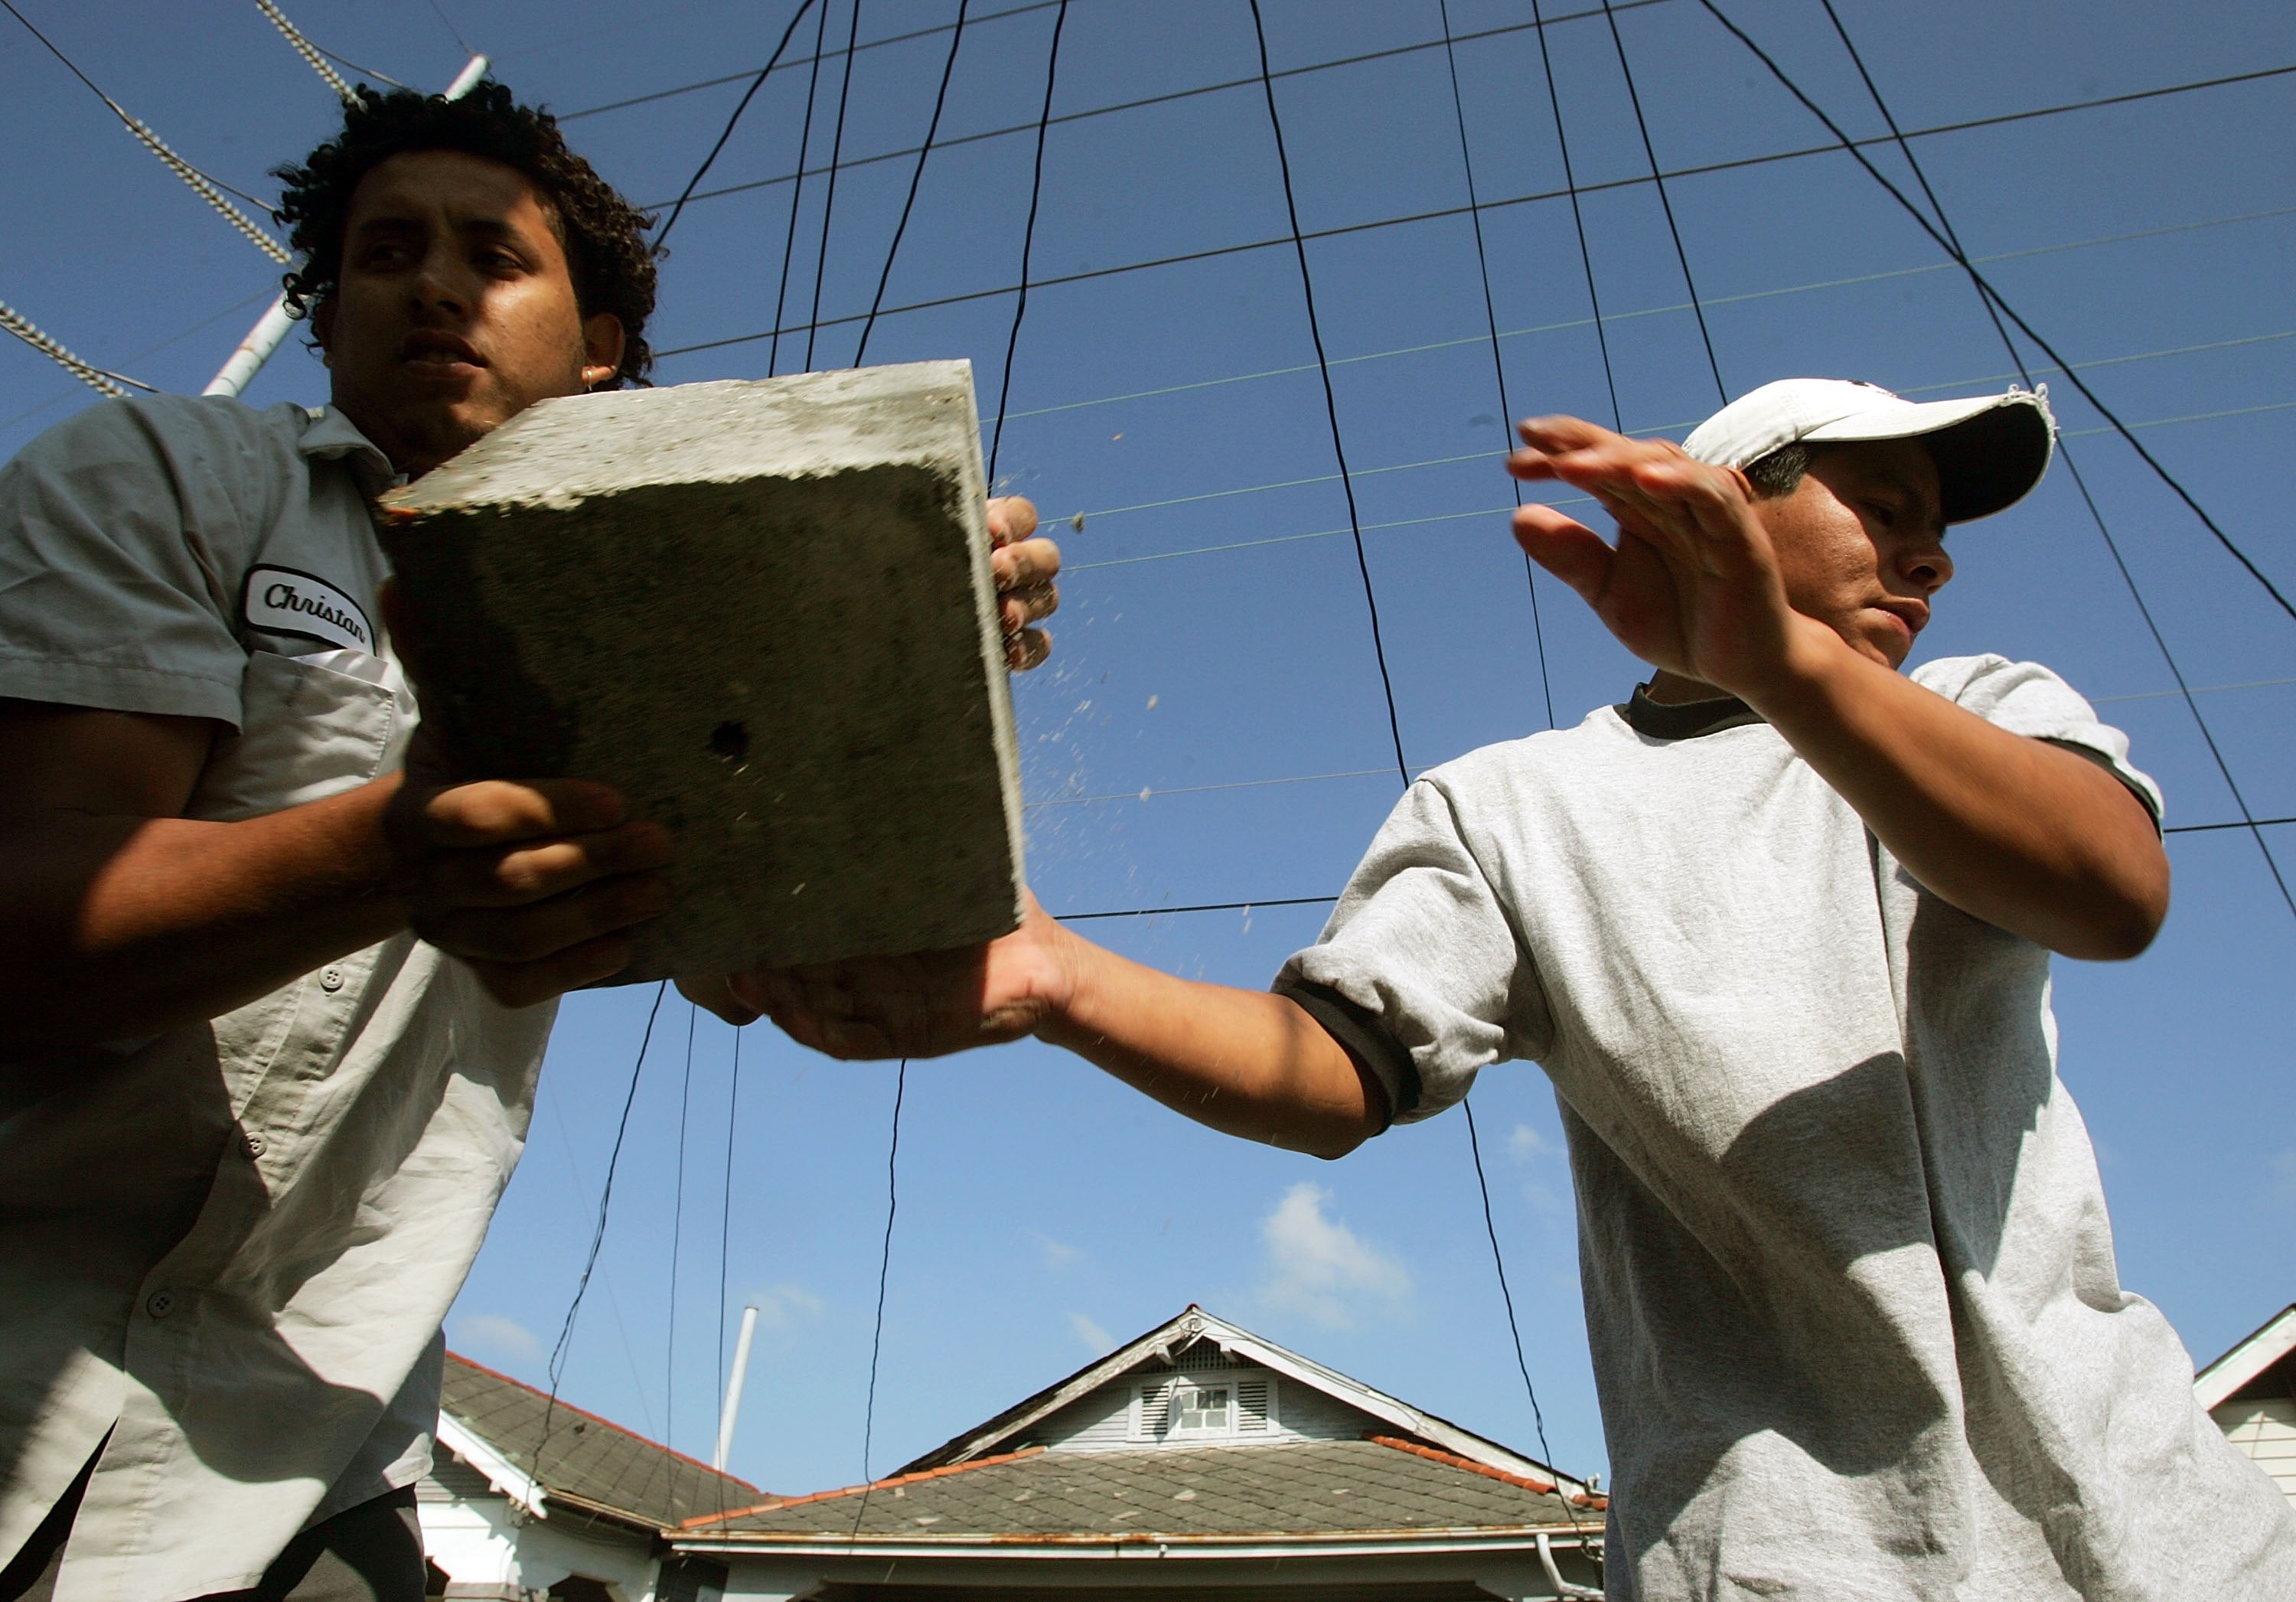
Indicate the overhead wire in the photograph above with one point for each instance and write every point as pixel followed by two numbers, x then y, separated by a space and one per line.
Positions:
pixel 884 1277
pixel 557 1365
pixel 879 42
pixel 677 210
pixel 797 194
pixel 1405 220
pixel 1507 415
pixel 678 1233
pixel 829 198
pixel 1491 323
pixel 917 178
pixel 1027 242
pixel 1994 295
pixel 207 188
pixel 1851 280
pixel 309 52
pixel 1331 399
pixel 1995 311
pixel 726 1230
pixel 95 377
pixel 1012 344
pixel 1665 203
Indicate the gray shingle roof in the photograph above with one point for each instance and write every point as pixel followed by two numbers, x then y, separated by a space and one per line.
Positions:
pixel 1306 1488
pixel 586 1457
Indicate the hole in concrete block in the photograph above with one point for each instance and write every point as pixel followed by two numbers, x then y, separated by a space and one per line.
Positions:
pixel 730 740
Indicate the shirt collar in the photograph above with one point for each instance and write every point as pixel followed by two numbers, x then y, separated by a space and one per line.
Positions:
pixel 328 435
pixel 1687 719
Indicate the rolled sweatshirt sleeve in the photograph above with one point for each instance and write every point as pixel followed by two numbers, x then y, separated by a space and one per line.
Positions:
pixel 113 592
pixel 1420 973
pixel 2025 698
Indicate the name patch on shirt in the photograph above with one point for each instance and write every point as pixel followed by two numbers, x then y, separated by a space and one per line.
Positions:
pixel 279 600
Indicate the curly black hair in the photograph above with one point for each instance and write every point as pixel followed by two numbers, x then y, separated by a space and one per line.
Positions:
pixel 604 235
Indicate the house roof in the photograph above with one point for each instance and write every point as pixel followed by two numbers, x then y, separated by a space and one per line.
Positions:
pixel 1385 1485
pixel 1010 1427
pixel 2248 1360
pixel 586 1463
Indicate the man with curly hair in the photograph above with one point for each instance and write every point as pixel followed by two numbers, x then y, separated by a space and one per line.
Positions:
pixel 275 987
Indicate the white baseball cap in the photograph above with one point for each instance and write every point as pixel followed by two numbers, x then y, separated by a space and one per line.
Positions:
pixel 1990 450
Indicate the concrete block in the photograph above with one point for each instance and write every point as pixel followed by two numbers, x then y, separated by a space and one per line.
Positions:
pixel 764 611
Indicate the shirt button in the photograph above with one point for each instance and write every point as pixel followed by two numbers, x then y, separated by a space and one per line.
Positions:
pixel 252 1144
pixel 331 978
pixel 159 1303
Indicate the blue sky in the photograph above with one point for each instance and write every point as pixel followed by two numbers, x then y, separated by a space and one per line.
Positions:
pixel 1212 729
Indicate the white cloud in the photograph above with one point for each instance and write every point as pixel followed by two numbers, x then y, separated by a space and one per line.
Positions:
pixel 1058 1255
pixel 780 1306
pixel 1527 1142
pixel 494 1335
pixel 1319 1266
pixel 1096 1339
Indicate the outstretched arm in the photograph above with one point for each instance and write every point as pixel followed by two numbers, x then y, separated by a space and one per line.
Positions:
pixel 2026 835
pixel 1245 1062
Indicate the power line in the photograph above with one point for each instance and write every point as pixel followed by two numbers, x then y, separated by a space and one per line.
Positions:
pixel 95 377
pixel 1028 241
pixel 733 78
pixel 1506 1296
pixel 909 202
pixel 309 52
pixel 1115 108
pixel 1440 213
pixel 1597 321
pixel 557 1366
pixel 797 195
pixel 725 1227
pixel 202 185
pixel 1666 205
pixel 757 83
pixel 829 200
pixel 1331 399
pixel 884 1273
pixel 1491 324
pixel 1195 906
pixel 1994 296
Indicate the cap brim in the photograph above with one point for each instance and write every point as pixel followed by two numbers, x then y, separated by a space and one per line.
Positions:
pixel 1990 451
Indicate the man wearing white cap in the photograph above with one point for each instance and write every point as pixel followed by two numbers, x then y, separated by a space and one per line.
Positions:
pixel 1778 929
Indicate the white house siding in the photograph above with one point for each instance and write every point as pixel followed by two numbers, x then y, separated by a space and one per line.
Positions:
pixel 2265 1428
pixel 1102 1420
pixel 490 1552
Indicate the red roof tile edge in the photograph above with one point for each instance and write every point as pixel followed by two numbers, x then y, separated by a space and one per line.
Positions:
pixel 560 1404
pixel 823 1496
pixel 1453 1459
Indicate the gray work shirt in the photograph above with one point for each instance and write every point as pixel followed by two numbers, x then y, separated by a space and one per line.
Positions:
pixel 1850 1292
pixel 229 1247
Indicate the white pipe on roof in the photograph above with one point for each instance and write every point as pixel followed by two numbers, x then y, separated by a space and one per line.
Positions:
pixel 733 1389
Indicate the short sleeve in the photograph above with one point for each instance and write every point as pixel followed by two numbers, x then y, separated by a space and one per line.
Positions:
pixel 110 594
pixel 2025 698
pixel 1419 972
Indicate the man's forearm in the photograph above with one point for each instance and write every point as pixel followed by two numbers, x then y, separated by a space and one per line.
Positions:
pixel 120 927
pixel 2025 835
pixel 1245 1062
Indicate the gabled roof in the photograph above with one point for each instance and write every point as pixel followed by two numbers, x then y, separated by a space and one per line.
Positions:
pixel 495 1423
pixel 1324 1489
pixel 2217 1382
pixel 1169 1339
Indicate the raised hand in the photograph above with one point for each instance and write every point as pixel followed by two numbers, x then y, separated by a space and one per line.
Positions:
pixel 1692 585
